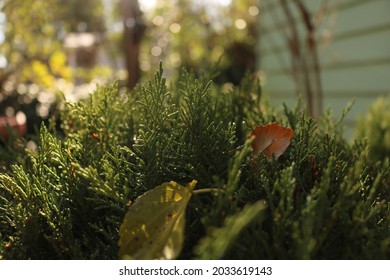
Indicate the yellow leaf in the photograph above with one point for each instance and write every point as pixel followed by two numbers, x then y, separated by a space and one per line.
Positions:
pixel 153 228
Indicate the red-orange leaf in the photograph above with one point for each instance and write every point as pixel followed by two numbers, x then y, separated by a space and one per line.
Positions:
pixel 271 139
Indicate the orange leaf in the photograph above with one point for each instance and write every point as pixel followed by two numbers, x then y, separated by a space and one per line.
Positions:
pixel 271 139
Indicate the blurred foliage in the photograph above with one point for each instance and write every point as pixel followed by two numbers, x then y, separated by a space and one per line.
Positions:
pixel 181 33
pixel 85 74
pixel 82 16
pixel 36 61
pixel 33 37
pixel 198 34
pixel 30 40
pixel 375 127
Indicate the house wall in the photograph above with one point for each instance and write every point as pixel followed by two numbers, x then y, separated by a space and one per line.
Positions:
pixel 353 39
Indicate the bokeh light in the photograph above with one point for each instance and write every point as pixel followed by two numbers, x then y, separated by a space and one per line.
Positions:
pixel 240 23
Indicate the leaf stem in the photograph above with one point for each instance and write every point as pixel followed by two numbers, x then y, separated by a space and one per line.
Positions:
pixel 208 190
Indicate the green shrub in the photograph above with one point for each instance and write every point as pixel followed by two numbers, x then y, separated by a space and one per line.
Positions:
pixel 324 198
pixel 375 127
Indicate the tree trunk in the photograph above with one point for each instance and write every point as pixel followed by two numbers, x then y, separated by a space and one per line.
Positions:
pixel 133 32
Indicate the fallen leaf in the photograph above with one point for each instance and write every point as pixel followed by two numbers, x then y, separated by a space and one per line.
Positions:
pixel 271 140
pixel 153 228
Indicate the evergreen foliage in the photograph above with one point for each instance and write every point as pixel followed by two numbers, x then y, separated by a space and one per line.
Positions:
pixel 376 126
pixel 322 199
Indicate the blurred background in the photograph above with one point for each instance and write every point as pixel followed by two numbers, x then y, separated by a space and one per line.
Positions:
pixel 326 52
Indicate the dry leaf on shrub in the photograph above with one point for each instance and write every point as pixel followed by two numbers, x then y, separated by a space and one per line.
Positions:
pixel 271 139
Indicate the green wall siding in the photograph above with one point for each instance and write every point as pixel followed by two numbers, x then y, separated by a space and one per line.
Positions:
pixel 353 46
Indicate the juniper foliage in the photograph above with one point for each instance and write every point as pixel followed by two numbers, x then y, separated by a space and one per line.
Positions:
pixel 324 198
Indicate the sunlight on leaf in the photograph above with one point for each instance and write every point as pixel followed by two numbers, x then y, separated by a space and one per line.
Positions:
pixel 153 228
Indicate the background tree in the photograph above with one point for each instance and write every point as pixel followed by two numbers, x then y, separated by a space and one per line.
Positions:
pixel 34 60
pixel 82 16
pixel 33 37
pixel 133 31
pixel 31 44
pixel 201 35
